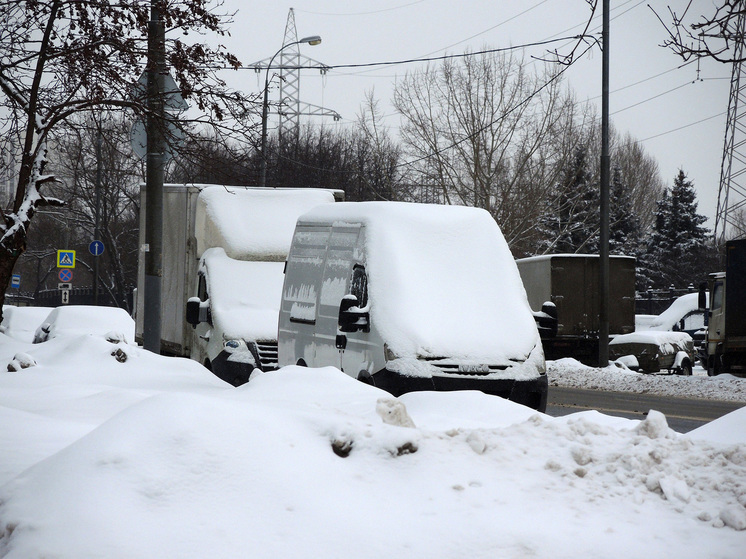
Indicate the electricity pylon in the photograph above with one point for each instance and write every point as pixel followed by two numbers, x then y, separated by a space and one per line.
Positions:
pixel 290 107
pixel 731 209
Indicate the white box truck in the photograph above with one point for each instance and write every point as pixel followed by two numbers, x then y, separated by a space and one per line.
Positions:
pixel 224 250
pixel 410 297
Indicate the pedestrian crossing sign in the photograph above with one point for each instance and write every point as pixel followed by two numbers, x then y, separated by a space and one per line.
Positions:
pixel 66 259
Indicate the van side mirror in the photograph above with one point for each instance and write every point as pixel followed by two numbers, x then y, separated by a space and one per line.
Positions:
pixel 198 311
pixel 351 317
pixel 192 311
pixel 546 320
pixel 702 299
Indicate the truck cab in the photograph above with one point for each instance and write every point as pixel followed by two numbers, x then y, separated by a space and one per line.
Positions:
pixel 224 250
pixel 724 349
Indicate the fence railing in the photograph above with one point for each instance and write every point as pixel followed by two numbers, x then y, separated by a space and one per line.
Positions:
pixel 655 301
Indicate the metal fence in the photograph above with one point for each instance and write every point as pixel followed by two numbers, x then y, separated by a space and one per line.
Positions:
pixel 655 301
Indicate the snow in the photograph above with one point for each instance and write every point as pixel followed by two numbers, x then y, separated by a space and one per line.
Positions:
pixel 668 342
pixel 244 296
pixel 573 374
pixel 252 223
pixel 669 318
pixel 458 295
pixel 153 456
pixel 21 322
pixel 70 320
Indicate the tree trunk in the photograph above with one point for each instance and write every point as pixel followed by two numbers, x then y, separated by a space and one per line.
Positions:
pixel 8 259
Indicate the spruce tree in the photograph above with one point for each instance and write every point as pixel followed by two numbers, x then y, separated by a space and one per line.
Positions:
pixel 677 252
pixel 624 225
pixel 573 226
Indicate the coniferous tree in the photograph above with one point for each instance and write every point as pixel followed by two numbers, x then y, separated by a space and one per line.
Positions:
pixel 678 251
pixel 574 225
pixel 624 224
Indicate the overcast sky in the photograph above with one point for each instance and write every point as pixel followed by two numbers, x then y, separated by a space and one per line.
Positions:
pixel 678 113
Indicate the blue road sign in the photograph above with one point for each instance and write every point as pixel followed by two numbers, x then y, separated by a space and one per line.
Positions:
pixel 96 248
pixel 66 259
pixel 15 280
pixel 65 275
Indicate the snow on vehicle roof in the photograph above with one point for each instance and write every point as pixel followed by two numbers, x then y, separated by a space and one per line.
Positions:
pixel 21 322
pixel 679 309
pixel 651 336
pixel 252 223
pixel 666 341
pixel 77 320
pixel 245 296
pixel 442 280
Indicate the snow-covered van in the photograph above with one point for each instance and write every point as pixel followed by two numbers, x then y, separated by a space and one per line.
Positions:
pixel 224 250
pixel 410 297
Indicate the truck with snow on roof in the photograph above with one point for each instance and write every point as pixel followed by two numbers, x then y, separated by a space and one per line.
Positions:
pixel 224 249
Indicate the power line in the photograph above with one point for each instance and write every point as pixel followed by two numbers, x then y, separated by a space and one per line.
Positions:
pixel 394 8
pixel 429 59
pixel 651 98
pixel 680 128
pixel 468 137
pixel 490 29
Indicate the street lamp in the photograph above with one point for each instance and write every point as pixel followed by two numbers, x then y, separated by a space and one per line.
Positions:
pixel 313 40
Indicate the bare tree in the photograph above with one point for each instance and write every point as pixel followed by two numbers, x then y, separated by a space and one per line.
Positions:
pixel 377 156
pixel 486 132
pixel 713 35
pixel 60 58
pixel 100 179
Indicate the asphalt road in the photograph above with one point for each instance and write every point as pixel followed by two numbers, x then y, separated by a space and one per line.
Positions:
pixel 683 414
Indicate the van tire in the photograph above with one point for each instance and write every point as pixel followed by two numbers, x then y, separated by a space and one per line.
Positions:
pixel 207 365
pixel 366 378
pixel 301 363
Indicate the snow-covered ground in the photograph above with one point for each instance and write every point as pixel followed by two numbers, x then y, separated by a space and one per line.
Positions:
pixel 572 374
pixel 110 451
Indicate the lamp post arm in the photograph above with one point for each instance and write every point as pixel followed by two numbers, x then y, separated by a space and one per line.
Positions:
pixel 265 110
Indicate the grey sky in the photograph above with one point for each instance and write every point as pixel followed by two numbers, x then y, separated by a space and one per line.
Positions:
pixel 678 112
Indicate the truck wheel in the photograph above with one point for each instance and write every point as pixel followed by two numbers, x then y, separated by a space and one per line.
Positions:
pixel 714 366
pixel 685 369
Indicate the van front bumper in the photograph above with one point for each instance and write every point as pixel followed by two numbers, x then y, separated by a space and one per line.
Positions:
pixel 531 393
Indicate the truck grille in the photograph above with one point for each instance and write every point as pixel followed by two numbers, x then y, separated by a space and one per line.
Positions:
pixel 267 355
pixel 471 369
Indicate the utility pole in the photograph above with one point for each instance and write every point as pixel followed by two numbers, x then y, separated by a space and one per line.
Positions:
pixel 603 275
pixel 156 144
pixel 97 210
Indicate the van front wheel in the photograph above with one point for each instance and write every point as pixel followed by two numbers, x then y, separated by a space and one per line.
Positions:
pixel 366 378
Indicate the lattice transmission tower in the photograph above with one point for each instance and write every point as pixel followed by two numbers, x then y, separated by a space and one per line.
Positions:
pixel 731 209
pixel 289 106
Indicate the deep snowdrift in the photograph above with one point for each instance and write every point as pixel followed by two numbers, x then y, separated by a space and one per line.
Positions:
pixel 155 457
